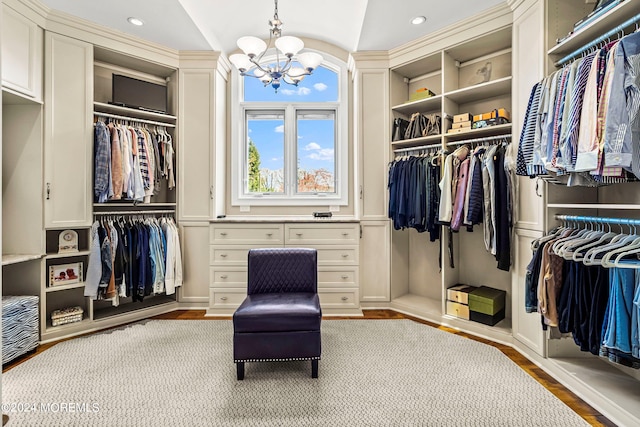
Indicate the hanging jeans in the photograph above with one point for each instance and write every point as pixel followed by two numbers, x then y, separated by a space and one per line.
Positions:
pixel 617 334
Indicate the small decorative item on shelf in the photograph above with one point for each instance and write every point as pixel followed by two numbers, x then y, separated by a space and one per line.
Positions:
pixel 65 274
pixel 67 242
pixel 66 315
pixel 484 74
pixel 421 93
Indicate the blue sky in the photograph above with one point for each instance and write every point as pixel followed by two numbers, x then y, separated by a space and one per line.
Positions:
pixel 316 143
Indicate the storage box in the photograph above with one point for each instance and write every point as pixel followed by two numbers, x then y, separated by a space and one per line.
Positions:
pixel 493 114
pixel 487 300
pixel 485 318
pixel 458 310
pixel 465 117
pixel 421 93
pixel 459 130
pixel 20 326
pixel 66 315
pixel 459 293
pixel 462 125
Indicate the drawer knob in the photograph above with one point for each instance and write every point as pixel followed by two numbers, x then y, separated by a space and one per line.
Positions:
pixel 344 298
pixel 269 234
pixel 224 276
pixel 223 298
pixel 345 255
pixel 344 276
pixel 222 233
pixel 223 255
pixel 345 234
pixel 299 234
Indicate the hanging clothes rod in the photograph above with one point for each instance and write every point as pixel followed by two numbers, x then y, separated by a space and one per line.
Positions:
pixel 598 220
pixel 485 139
pixel 156 212
pixel 599 40
pixel 131 119
pixel 420 147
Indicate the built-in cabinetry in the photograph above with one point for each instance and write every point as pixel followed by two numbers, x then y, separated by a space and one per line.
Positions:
pixel 456 74
pixel 336 243
pixel 22 154
pixel 22 41
pixel 613 389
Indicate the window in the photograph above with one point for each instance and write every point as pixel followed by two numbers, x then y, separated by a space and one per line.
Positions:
pixel 291 147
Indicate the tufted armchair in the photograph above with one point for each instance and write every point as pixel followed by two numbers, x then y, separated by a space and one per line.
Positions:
pixel 280 317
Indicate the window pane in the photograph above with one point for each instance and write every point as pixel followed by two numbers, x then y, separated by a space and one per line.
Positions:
pixel 316 151
pixel 321 86
pixel 265 152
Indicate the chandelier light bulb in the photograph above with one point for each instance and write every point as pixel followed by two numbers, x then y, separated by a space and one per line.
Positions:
pixel 241 61
pixel 310 60
pixel 289 45
pixel 251 46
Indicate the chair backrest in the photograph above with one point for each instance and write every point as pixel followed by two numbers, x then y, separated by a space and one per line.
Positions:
pixel 277 270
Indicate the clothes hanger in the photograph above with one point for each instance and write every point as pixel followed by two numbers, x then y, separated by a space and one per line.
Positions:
pixel 618 241
pixel 579 252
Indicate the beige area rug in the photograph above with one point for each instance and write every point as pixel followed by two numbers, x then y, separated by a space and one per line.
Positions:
pixel 372 373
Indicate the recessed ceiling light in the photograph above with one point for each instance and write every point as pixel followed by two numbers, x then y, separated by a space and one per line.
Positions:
pixel 418 20
pixel 135 21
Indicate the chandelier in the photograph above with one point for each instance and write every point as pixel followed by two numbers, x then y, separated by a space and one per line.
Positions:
pixel 289 67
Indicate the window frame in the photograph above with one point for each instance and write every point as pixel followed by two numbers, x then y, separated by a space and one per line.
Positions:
pixel 239 146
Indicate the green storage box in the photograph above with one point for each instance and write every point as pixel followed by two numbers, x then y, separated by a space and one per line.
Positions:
pixel 486 300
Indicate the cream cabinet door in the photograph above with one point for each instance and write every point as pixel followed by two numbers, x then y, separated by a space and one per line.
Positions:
pixel 375 261
pixel 195 270
pixel 196 115
pixel 68 143
pixel 21 54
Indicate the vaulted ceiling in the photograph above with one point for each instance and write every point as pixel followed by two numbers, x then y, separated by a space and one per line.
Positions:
pixel 353 25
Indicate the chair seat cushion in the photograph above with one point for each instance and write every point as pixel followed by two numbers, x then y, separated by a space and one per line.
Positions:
pixel 281 312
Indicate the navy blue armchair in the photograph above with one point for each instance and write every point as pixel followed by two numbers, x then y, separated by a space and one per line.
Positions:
pixel 280 318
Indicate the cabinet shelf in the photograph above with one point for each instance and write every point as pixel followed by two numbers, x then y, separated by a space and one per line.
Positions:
pixel 133 113
pixel 128 307
pixel 413 142
pixel 598 26
pixel 479 133
pixel 593 206
pixel 8 259
pixel 134 205
pixel 428 308
pixel 69 326
pixel 427 104
pixel 67 254
pixel 64 287
pixel 481 91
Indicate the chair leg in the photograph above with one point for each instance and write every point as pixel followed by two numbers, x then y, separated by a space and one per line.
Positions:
pixel 240 370
pixel 314 368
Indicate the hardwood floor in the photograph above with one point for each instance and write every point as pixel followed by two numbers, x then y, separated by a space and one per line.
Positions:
pixel 589 414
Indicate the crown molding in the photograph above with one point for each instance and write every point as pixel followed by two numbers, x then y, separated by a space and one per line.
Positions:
pixel 208 59
pixel 496 17
pixel 35 10
pixel 373 59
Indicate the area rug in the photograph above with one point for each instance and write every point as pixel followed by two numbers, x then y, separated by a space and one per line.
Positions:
pixel 372 373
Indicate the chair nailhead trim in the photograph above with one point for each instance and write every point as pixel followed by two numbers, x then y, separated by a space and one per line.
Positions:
pixel 276 360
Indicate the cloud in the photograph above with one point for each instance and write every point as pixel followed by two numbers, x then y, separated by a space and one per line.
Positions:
pixel 322 154
pixel 312 146
pixel 300 91
pixel 279 129
pixel 320 87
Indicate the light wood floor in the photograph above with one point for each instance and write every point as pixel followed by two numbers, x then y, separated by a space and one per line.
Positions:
pixel 592 416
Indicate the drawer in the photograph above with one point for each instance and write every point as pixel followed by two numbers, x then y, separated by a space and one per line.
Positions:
pixel 226 298
pixel 247 234
pixel 337 277
pixel 231 254
pixel 459 293
pixel 458 310
pixel 336 254
pixel 323 234
pixel 221 277
pixel 339 298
